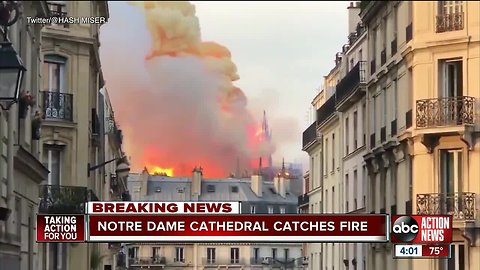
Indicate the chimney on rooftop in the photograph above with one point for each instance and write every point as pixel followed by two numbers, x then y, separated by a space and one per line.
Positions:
pixel 256 180
pixel 197 175
pixel 353 17
pixel 144 177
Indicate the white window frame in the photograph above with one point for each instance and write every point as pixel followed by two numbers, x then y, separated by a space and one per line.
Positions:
pixel 234 255
pixel 51 60
pixel 179 254
pixel 211 255
pixel 270 209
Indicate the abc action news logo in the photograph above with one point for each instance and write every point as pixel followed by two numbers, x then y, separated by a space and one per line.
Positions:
pixel 421 229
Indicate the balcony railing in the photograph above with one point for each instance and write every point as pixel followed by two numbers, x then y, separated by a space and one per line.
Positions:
pixel 448 111
pixel 449 22
pixel 224 261
pixel 303 199
pixel 326 110
pixel 310 134
pixel 350 82
pixel 56 199
pixel 146 261
pixel 462 206
pixel 58 105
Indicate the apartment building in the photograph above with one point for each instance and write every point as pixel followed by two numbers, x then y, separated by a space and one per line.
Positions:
pixel 389 92
pixel 444 56
pixel 71 139
pixel 21 171
pixel 257 196
pixel 350 104
pixel 115 188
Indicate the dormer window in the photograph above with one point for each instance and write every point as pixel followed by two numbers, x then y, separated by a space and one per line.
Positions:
pixel 158 190
pixel 210 188
pixel 234 189
pixel 180 190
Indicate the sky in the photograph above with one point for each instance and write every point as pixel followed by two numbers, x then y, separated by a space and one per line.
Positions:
pixel 282 50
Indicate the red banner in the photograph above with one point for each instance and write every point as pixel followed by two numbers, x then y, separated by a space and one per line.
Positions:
pixel 60 228
pixel 243 228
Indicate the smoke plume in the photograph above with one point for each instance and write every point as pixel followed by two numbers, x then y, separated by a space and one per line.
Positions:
pixel 176 102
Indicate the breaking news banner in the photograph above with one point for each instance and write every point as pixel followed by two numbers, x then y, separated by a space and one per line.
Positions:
pixel 240 228
pixel 422 229
pixel 422 251
pixel 60 228
pixel 148 208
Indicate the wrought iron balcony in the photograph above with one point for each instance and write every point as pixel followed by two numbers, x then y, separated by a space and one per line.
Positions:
pixel 351 81
pixel 56 199
pixel 462 205
pixel 326 110
pixel 303 199
pixel 223 261
pixel 310 135
pixel 57 105
pixel 450 111
pixel 449 22
pixel 147 261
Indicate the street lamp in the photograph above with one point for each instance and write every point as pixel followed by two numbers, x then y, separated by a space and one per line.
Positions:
pixel 11 65
pixel 121 171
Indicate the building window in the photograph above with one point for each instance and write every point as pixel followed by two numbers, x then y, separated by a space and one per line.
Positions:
pixel 52 159
pixel 256 255
pixel 234 255
pixel 384 106
pixel 355 190
pixel 333 200
pixel 451 72
pixel 54 73
pixel 132 255
pixel 355 130
pixel 395 99
pixel 179 255
pixel 234 189
pixel 157 254
pixel 211 255
pixel 347 135
pixel 274 253
pixel 451 174
pixel 270 209
pixel 360 55
pixel 333 152
pixel 286 254
pixel 210 188
pixel 347 194
pixel 252 209
pixel 326 202
pixel 364 122
pixel 282 210
pixel 450 16
pixel 457 260
pixel 326 155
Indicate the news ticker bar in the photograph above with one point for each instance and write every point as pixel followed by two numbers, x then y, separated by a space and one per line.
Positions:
pixel 223 221
pixel 422 251
pixel 213 228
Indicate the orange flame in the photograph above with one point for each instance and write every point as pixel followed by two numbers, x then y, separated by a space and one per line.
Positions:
pixel 156 170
